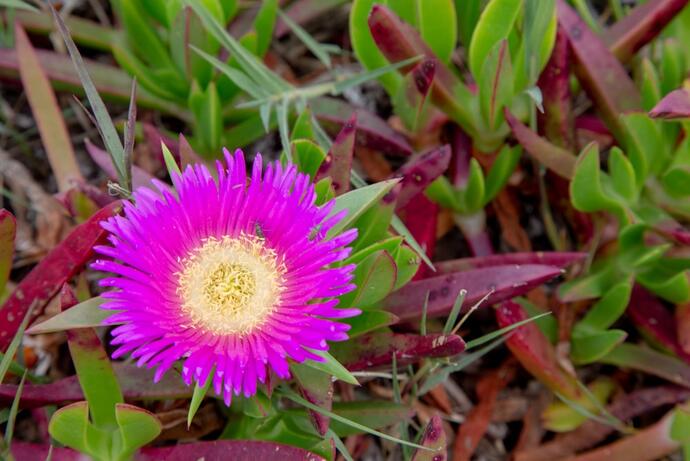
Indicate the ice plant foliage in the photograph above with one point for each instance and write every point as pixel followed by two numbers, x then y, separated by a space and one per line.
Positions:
pixel 232 275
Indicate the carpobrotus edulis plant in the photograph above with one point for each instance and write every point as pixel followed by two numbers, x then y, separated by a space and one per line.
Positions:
pixel 233 275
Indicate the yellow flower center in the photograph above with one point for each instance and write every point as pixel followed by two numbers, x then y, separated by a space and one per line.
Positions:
pixel 230 285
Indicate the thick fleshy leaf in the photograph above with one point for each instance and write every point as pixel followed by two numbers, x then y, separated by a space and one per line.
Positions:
pixel 46 111
pixel 495 24
pixel 496 84
pixel 375 277
pixel 94 370
pixel 640 26
pixel 655 321
pixel 54 270
pixel 410 100
pixel 434 437
pixel 602 76
pixel 87 314
pixel 317 387
pixel 557 121
pixel 8 229
pixel 357 201
pixel 649 361
pixel 419 172
pixel 534 351
pixel 239 450
pixel 368 321
pixel 498 282
pixel 674 105
pixel 137 427
pixel 338 162
pixel 371 130
pixel 560 259
pixel 136 383
pixel 398 41
pixel 555 158
pixel 588 347
pixel 376 350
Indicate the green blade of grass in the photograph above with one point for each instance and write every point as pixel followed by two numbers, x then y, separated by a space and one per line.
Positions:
pixel 453 317
pixel 238 77
pixel 247 61
pixel 105 124
pixel 339 445
pixel 198 396
pixel 488 337
pixel 289 394
pixel 315 47
pixel 282 111
pixel 14 409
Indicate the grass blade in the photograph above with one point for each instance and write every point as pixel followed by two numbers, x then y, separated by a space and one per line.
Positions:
pixel 315 47
pixel 105 124
pixel 494 334
pixel 453 316
pixel 299 400
pixel 14 409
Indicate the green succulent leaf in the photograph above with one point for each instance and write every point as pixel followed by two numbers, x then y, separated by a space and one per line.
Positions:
pixel 495 24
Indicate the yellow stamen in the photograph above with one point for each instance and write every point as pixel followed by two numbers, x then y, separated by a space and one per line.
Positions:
pixel 230 285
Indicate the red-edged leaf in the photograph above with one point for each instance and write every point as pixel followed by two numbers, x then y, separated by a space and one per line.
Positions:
pixel 54 270
pixel 420 216
pixel 46 112
pixel 556 122
pixel 655 320
pixel 640 26
pixel 419 172
pixel 137 384
pixel 560 259
pixel 236 450
pixel 589 127
pixel 602 76
pixel 8 230
pixel 503 282
pixel 434 438
pixel 375 350
pixel 398 41
pixel 317 387
pixel 534 351
pixel 674 105
pixel 338 161
pixel 188 155
pixel 154 137
pixel 555 158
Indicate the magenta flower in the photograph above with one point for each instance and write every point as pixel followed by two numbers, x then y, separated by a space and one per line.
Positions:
pixel 229 275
